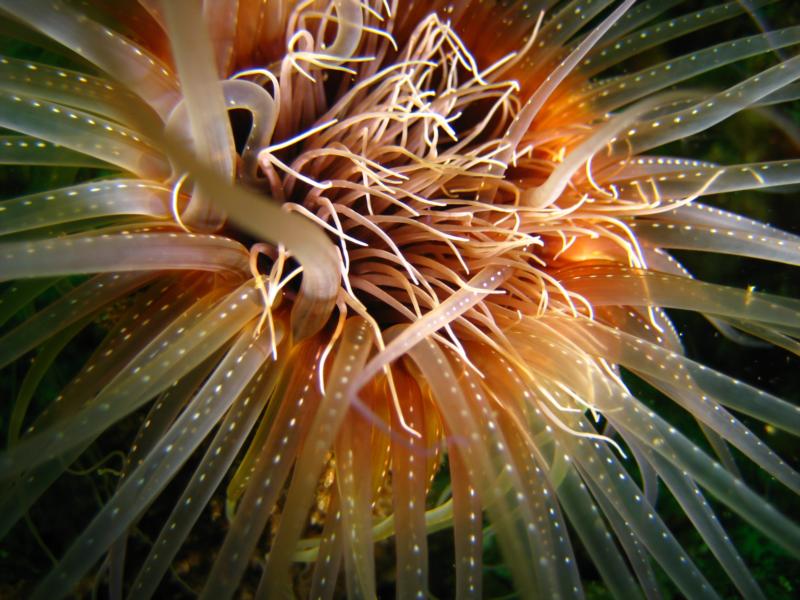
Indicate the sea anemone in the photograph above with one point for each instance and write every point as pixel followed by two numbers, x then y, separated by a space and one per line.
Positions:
pixel 363 270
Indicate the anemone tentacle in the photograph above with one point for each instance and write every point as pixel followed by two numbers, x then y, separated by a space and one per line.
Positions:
pixel 366 270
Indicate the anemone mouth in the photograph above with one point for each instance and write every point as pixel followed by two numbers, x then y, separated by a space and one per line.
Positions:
pixel 403 158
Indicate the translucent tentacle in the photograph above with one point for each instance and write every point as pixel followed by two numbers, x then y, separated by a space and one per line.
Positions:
pixel 356 342
pixel 409 478
pixel 136 68
pixel 719 179
pixel 254 98
pixel 219 457
pixel 169 356
pixel 730 392
pixel 567 21
pixel 712 239
pixel 349 24
pixel 653 35
pixel 622 90
pixel 353 465
pixel 467 528
pixel 307 243
pixel 728 489
pixel 222 18
pixel 329 557
pixel 769 335
pixel 149 479
pixel 164 411
pixel 174 299
pixel 84 300
pixel 673 446
pixel 619 285
pixel 26 150
pixel 635 550
pixel 554 545
pixel 116 351
pixel 85 201
pixel 636 17
pixel 85 92
pixel 551 190
pixel 161 416
pixel 711 216
pixel 269 474
pixel 707 410
pixel 585 517
pixel 39 366
pixel 82 132
pixel 710 111
pixel 697 509
pixel 484 464
pixel 458 303
pixel 205 104
pixel 606 478
pixel 522 122
pixel 121 252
